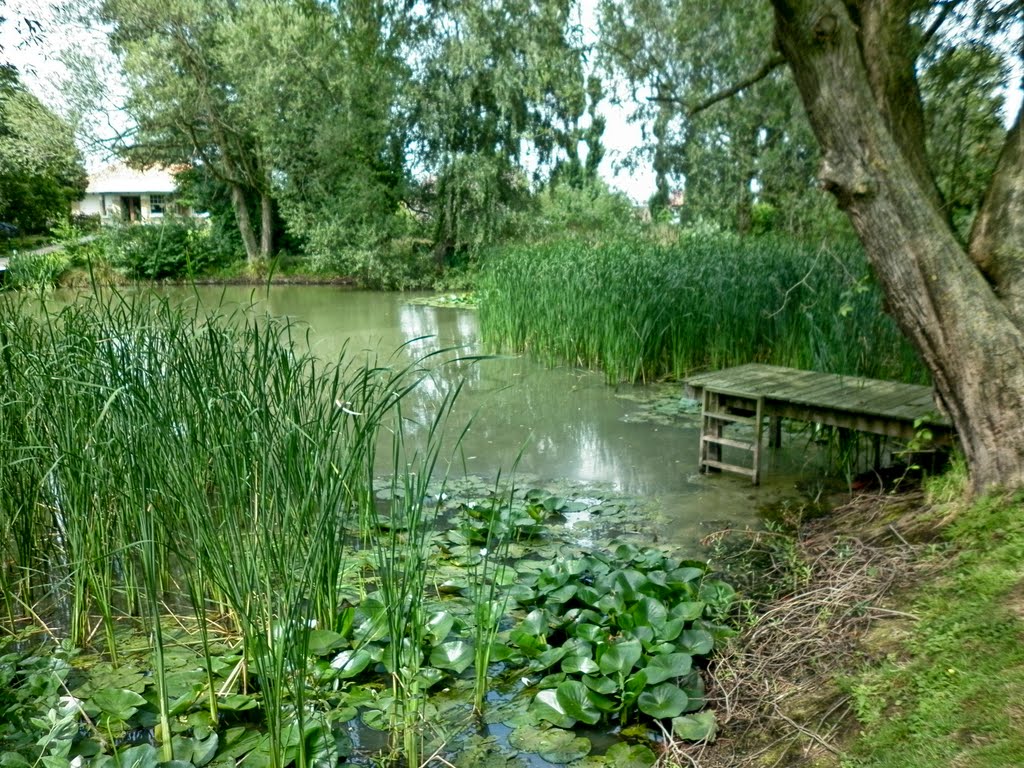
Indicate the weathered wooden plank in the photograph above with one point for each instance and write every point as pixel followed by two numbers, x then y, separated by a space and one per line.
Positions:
pixel 851 402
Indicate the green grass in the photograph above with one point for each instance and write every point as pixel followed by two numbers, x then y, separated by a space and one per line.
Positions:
pixel 642 310
pixel 950 693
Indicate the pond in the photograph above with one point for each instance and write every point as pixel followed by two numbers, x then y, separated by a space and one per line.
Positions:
pixel 229 571
pixel 565 425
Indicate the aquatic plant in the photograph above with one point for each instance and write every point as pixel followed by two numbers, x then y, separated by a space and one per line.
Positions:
pixel 641 310
pixel 616 634
pixel 272 549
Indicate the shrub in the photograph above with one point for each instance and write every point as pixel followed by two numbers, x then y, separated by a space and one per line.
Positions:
pixel 36 270
pixel 170 250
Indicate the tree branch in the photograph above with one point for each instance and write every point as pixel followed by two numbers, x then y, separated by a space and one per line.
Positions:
pixel 762 72
pixel 997 238
pixel 940 19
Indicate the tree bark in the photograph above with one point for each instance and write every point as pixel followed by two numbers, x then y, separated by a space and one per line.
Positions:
pixel 968 336
pixel 266 226
pixel 244 222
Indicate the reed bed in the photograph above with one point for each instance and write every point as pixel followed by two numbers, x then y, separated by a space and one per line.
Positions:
pixel 641 311
pixel 152 457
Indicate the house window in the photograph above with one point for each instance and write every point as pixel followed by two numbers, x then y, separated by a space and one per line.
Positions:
pixel 156 205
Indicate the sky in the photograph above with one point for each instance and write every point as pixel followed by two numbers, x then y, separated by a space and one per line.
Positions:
pixel 43 72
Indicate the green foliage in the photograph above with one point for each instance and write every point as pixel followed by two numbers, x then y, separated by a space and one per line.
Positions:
pixel 168 250
pixel 939 695
pixel 37 270
pixel 962 91
pixel 616 635
pixel 41 170
pixel 642 310
pixel 754 148
pixel 589 212
pixel 36 725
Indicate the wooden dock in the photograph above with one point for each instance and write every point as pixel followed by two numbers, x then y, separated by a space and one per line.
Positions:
pixel 747 394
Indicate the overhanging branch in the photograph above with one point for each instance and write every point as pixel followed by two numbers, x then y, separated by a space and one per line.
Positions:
pixel 761 73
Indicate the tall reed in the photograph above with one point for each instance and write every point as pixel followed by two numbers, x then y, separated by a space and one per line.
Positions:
pixel 641 310
pixel 140 440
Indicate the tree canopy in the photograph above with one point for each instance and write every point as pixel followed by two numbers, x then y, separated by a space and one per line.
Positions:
pixel 41 169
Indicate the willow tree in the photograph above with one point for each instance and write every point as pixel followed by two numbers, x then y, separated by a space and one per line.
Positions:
pixel 757 147
pixel 959 300
pixel 185 104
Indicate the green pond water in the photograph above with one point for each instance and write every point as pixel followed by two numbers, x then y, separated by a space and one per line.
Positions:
pixel 568 428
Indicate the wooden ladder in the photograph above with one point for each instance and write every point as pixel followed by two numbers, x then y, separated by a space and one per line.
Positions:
pixel 715 414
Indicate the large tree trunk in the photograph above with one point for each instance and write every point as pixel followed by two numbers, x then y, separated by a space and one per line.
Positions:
pixel 244 222
pixel 266 226
pixel 853 76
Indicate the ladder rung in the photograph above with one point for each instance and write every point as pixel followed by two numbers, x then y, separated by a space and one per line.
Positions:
pixel 730 417
pixel 729 467
pixel 746 445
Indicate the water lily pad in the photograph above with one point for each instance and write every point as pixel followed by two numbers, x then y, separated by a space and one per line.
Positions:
pixel 455 655
pixel 697 642
pixel 575 665
pixel 323 641
pixel 552 744
pixel 665 700
pixel 577 702
pixel 624 755
pixel 699 727
pixel 439 625
pixel 620 658
pixel 351 662
pixel 237 702
pixel 667 666
pixel 118 703
pixel 546 706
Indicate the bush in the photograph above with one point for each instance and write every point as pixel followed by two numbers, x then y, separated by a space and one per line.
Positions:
pixel 173 249
pixel 36 270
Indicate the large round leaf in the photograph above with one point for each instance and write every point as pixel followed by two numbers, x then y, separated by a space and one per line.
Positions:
pixel 600 684
pixel 438 626
pixel 575 665
pixel 670 665
pixel 552 744
pixel 546 706
pixel 696 727
pixel 665 700
pixel 455 655
pixel 118 703
pixel 623 755
pixel 351 662
pixel 697 642
pixel 619 659
pixel 575 699
pixel 648 612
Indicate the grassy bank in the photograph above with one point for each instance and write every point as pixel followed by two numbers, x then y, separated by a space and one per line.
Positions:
pixel 894 640
pixel 642 310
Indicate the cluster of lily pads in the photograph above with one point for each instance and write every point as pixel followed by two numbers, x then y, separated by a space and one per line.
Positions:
pixel 611 638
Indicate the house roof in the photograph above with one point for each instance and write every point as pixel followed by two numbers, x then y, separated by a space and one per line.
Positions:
pixel 120 179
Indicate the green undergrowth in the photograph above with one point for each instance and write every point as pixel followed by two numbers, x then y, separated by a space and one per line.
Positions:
pixel 643 310
pixel 950 686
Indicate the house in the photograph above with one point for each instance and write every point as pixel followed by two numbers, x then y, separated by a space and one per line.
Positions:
pixel 118 193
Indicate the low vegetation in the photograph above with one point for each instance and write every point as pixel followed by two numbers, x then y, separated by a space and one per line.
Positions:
pixel 643 310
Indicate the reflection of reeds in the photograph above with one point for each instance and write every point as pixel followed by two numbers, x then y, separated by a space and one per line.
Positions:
pixel 641 310
pixel 131 433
